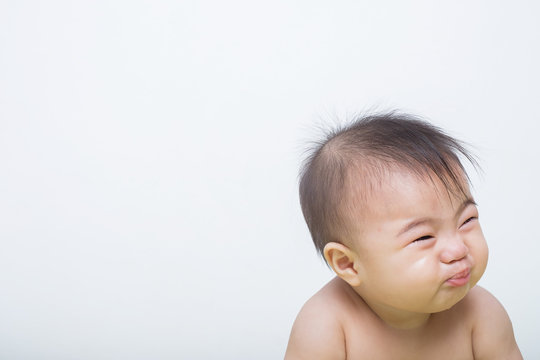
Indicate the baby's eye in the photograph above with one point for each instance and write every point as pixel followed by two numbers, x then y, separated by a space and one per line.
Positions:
pixel 422 238
pixel 472 218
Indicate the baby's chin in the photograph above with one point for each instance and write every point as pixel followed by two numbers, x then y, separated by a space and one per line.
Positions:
pixel 455 295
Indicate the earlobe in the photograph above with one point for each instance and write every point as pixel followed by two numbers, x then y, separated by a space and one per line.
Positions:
pixel 343 261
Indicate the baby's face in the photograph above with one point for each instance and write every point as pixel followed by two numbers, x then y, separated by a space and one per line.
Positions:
pixel 419 249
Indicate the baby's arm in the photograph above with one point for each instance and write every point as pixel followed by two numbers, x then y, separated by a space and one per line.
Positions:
pixel 316 334
pixel 493 336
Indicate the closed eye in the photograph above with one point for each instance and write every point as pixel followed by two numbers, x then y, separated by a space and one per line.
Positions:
pixel 422 238
pixel 472 218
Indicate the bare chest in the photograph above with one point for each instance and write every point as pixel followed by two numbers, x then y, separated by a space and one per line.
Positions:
pixel 452 342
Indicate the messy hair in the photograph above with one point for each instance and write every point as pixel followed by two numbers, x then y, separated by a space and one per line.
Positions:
pixel 359 155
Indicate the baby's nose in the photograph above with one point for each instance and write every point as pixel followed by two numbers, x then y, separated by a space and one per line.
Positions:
pixel 454 250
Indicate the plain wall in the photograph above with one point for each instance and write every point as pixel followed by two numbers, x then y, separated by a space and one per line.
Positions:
pixel 149 153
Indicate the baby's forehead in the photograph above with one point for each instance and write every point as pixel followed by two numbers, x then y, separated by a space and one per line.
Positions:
pixel 398 197
pixel 369 184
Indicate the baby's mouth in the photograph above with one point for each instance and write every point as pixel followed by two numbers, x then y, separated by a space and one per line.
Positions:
pixel 460 279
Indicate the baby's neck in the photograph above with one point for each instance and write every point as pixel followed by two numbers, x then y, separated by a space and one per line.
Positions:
pixel 398 319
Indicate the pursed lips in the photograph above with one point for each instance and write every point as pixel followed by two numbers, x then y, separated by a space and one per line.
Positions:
pixel 460 278
pixel 461 274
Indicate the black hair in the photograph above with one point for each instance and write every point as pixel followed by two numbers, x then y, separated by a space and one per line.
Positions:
pixel 373 144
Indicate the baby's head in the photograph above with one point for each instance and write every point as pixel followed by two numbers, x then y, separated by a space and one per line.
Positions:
pixel 388 195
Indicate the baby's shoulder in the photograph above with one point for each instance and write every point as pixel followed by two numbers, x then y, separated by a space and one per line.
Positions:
pixel 337 300
pixel 328 306
pixel 480 303
pixel 490 325
pixel 475 308
pixel 318 328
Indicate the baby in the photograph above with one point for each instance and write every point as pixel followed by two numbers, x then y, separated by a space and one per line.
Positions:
pixel 388 205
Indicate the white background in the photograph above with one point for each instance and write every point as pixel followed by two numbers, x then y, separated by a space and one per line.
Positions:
pixel 149 153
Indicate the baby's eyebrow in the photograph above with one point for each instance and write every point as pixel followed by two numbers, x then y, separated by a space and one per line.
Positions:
pixel 414 224
pixel 468 201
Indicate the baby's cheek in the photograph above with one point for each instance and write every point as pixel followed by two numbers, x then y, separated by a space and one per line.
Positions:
pixel 480 259
pixel 419 265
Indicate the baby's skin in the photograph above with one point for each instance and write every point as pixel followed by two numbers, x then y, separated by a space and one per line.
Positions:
pixel 405 285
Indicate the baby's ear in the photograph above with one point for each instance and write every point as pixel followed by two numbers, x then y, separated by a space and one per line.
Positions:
pixel 343 261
